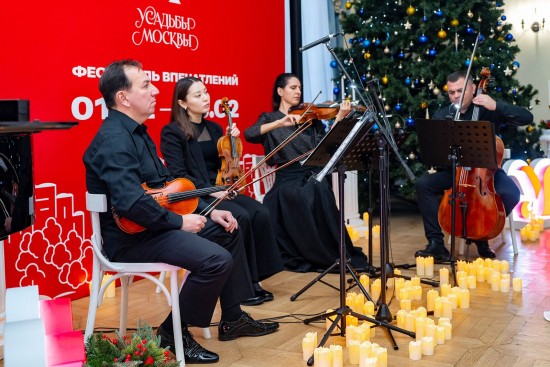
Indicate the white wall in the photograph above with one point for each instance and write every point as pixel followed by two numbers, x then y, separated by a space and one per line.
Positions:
pixel 534 57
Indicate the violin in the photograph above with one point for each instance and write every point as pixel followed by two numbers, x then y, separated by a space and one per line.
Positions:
pixel 230 150
pixel 179 196
pixel 479 211
pixel 320 111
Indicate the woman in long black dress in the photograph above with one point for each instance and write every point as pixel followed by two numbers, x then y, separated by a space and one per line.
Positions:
pixel 305 214
pixel 189 147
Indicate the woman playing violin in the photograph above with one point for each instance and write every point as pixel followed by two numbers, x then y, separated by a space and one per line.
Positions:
pixel 430 186
pixel 305 214
pixel 188 145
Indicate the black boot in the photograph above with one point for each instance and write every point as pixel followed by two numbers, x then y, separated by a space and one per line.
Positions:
pixel 194 353
pixel 484 250
pixel 435 249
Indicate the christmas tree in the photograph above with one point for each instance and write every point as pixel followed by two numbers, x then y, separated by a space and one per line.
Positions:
pixel 411 47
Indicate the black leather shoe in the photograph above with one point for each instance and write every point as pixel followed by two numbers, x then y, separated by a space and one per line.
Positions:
pixel 484 250
pixel 435 249
pixel 244 326
pixel 265 295
pixel 253 301
pixel 194 353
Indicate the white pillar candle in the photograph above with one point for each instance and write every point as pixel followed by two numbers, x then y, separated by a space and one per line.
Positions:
pixel 401 314
pixel 447 330
pixel 322 357
pixel 415 350
pixel 369 308
pixel 420 327
pixel 353 350
pixel 410 321
pixel 431 330
pixel 421 312
pixel 440 335
pixel 472 281
pixel 429 266
pixel 495 281
pixel 375 290
pixel 431 295
pixel 454 300
pixel 337 355
pixel 443 276
pixel 505 285
pixel 438 307
pixel 480 273
pixel 308 346
pixel 445 288
pixel 428 346
pixel 517 284
pixel 365 351
pixel 365 281
pixel 465 298
pixel 447 309
pixel 368 362
pixel 504 267
pixel 382 355
pixel 415 281
pixel 405 304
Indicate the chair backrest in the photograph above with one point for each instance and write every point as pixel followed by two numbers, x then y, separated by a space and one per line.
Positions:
pixel 95 204
pixel 261 187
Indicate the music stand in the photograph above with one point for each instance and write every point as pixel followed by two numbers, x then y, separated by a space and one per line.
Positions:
pixel 449 143
pixel 344 148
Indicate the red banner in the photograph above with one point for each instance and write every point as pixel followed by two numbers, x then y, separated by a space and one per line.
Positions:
pixel 53 55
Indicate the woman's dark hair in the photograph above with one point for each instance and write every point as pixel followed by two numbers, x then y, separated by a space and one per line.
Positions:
pixel 280 82
pixel 178 113
pixel 114 79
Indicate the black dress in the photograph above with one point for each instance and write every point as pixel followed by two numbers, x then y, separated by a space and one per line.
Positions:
pixel 197 160
pixel 305 214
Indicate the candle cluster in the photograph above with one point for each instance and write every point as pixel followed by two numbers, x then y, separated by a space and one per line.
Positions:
pixel 408 289
pixel 357 302
pixel 424 266
pixel 354 234
pixel 531 231
pixel 367 354
pixel 428 336
pixel 494 272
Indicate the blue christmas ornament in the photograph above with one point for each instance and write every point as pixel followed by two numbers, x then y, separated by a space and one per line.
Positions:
pixel 401 54
pixel 361 11
pixel 499 23
pixel 407 81
pixel 514 91
pixel 351 41
pixel 409 121
pixel 366 43
pixel 467 62
pixel 424 18
pixel 336 90
pixel 492 66
pixel 470 30
pixel 503 17
pixel 398 107
pixel 516 64
pixel 360 39
pixel 481 37
pixel 439 13
pixel 433 52
pixel 333 64
pixel 377 42
pixel 363 77
pixel 499 89
pixel 423 39
pixel 375 127
pixel 509 37
pixel 498 5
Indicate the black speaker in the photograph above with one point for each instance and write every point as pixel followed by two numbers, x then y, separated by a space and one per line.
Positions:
pixel 14 110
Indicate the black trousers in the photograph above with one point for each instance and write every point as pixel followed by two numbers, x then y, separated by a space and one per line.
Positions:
pixel 216 260
pixel 262 253
pixel 430 187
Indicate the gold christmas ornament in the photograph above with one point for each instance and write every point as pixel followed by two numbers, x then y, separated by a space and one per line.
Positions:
pixel 529 129
pixel 423 105
pixel 470 14
pixel 348 5
pixel 441 34
pixel 436 91
pixel 367 55
pixel 454 23
pixel 445 88
pixel 385 80
pixel 411 10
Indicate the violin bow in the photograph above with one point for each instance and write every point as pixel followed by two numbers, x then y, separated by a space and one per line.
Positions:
pixel 466 79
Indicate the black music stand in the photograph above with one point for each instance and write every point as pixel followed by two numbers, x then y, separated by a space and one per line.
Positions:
pixel 450 143
pixel 343 148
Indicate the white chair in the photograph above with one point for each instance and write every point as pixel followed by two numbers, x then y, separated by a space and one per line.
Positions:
pixel 95 204
pixel 261 187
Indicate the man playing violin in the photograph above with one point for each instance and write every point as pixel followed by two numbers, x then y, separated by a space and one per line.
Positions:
pixel 430 186
pixel 119 159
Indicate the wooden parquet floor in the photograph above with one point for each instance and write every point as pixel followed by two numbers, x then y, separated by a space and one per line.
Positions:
pixel 499 329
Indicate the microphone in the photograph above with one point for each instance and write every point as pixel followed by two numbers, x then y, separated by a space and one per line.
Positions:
pixel 320 40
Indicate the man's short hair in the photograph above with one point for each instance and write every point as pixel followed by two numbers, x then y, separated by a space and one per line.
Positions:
pixel 114 79
pixel 461 74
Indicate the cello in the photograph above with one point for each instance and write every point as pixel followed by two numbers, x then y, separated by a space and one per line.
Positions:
pixel 230 150
pixel 479 213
